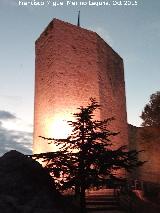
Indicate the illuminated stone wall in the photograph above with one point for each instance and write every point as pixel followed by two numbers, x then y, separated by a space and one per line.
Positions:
pixel 147 139
pixel 72 65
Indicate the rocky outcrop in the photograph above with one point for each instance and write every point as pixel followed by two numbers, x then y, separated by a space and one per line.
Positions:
pixel 25 187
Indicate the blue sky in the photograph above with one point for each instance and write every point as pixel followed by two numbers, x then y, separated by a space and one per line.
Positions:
pixel 132 31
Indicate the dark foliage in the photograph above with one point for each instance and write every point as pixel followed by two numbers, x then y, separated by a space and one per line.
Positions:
pixel 151 113
pixel 86 157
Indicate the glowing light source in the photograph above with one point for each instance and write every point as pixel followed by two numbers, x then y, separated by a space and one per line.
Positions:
pixel 59 129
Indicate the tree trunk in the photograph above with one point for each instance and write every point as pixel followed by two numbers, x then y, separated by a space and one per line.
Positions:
pixel 82 200
pixel 82 175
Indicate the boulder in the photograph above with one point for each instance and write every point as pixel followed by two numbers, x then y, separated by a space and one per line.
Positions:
pixel 26 187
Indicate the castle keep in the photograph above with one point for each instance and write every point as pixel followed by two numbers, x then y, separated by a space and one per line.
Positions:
pixel 73 64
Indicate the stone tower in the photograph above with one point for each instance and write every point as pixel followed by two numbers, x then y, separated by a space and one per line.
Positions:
pixel 73 64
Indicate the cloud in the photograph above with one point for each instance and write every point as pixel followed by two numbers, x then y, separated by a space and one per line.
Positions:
pixel 17 140
pixel 13 139
pixel 5 115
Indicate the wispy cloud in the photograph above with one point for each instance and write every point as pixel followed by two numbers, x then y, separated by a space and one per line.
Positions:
pixel 4 115
pixel 13 139
pixel 17 140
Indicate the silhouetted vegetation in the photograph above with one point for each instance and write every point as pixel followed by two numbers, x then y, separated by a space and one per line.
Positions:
pixel 86 158
pixel 151 113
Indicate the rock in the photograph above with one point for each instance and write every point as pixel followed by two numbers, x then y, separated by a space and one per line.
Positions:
pixel 26 187
pixel 8 204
